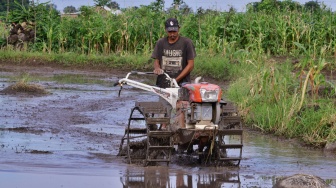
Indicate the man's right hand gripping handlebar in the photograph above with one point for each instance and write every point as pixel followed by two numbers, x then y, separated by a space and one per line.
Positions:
pixel 158 71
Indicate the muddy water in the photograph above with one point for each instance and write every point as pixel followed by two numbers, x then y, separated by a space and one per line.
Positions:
pixel 70 138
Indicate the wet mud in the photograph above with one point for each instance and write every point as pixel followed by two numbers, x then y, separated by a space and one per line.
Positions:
pixel 70 138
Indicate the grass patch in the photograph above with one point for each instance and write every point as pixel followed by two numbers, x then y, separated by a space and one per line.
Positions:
pixel 78 79
pixel 22 87
pixel 277 98
pixel 129 61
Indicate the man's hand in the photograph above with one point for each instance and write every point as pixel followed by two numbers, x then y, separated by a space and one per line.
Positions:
pixel 158 71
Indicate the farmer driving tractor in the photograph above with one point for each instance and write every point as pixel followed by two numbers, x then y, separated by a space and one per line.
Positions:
pixel 201 119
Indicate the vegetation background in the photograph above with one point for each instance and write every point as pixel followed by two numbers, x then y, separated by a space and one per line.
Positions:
pixel 278 55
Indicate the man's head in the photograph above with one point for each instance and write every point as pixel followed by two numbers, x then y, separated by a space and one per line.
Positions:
pixel 172 29
pixel 172 25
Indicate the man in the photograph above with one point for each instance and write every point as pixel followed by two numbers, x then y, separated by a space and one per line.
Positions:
pixel 175 56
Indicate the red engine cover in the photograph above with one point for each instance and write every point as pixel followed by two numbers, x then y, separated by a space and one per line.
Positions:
pixel 194 90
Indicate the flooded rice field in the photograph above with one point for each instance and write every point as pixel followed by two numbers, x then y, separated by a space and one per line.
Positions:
pixel 70 138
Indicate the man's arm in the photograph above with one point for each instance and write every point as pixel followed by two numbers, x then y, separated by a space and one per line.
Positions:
pixel 157 67
pixel 186 70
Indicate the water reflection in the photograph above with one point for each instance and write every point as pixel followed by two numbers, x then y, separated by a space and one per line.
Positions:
pixel 146 178
pixel 161 177
pixel 227 179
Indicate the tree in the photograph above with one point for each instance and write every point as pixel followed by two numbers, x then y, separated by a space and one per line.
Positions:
pixel 113 5
pixel 185 9
pixel 180 6
pixel 271 6
pixel 157 5
pixel 200 11
pixel 177 4
pixel 312 6
pixel 69 9
pixel 101 3
pixel 51 6
pixel 266 5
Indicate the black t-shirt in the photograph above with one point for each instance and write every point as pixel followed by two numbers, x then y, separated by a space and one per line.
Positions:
pixel 173 57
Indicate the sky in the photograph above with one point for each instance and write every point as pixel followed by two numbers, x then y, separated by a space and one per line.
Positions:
pixel 239 5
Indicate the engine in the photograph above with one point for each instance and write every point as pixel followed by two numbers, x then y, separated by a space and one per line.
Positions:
pixel 202 109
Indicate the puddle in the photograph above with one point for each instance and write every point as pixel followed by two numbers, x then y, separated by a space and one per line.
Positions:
pixel 71 137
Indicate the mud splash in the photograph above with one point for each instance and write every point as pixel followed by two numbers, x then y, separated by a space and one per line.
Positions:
pixel 70 138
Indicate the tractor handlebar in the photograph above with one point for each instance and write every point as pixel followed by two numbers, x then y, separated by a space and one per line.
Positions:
pixel 127 81
pixel 141 73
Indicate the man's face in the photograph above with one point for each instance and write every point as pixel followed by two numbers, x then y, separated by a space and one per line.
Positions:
pixel 172 35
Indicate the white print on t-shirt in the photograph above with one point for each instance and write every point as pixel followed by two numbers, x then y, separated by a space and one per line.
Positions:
pixel 172 53
pixel 173 64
